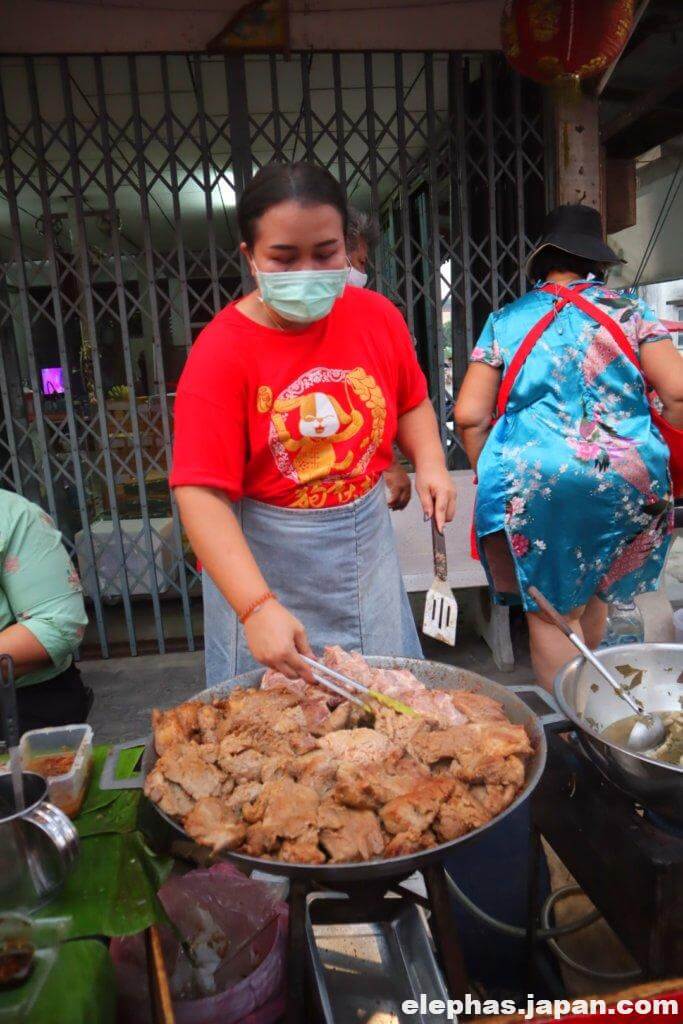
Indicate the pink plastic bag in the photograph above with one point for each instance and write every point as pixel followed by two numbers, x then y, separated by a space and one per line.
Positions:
pixel 249 986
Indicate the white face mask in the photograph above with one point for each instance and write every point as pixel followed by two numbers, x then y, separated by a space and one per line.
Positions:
pixel 357 278
pixel 302 296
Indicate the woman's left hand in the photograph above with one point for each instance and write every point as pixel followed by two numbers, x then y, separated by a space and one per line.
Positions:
pixel 436 491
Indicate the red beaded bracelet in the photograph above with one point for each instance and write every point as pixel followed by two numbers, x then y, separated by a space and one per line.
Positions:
pixel 255 605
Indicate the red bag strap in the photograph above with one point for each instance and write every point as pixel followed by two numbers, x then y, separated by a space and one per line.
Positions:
pixel 520 356
pixel 603 318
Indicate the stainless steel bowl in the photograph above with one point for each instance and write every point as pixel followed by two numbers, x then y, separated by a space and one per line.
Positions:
pixel 591 704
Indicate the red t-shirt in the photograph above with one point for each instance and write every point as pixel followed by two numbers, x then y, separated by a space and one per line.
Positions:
pixel 303 419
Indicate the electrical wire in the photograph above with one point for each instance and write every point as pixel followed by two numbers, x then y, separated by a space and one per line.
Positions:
pixel 660 222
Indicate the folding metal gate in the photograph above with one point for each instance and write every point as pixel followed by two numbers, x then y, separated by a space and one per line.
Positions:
pixel 118 243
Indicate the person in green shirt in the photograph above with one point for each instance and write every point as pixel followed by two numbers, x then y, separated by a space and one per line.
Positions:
pixel 42 616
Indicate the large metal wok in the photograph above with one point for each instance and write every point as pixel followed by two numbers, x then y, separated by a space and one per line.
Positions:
pixel 592 705
pixel 434 676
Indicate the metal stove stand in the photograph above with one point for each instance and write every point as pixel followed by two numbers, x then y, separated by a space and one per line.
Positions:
pixel 369 896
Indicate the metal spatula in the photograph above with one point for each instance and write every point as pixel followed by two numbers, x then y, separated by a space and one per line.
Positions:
pixel 441 608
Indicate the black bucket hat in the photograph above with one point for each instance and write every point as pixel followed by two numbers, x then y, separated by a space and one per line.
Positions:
pixel 576 229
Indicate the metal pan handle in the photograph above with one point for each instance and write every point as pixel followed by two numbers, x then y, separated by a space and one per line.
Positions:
pixel 544 706
pixel 108 778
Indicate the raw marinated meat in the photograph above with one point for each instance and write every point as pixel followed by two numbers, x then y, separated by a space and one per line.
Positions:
pixel 398 683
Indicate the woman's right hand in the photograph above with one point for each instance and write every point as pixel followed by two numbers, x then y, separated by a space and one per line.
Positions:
pixel 277 639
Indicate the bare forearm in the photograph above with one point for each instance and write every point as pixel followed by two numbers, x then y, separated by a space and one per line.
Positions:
pixel 673 412
pixel 418 437
pixel 473 441
pixel 217 540
pixel 27 653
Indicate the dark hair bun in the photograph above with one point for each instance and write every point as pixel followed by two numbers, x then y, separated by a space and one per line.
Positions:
pixel 307 184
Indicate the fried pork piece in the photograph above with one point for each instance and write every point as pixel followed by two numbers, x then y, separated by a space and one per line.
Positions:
pixel 409 842
pixel 168 796
pixel 494 798
pixel 370 787
pixel 340 718
pixel 213 824
pixel 436 744
pixel 504 771
pixel 348 835
pixel 209 719
pixel 275 768
pixel 261 840
pixel 184 765
pixel 246 708
pixel 480 747
pixel 461 813
pixel 284 807
pixel 291 720
pixel 359 746
pixel 476 707
pixel 415 811
pixel 317 769
pixel 304 850
pixel 244 793
pixel 175 725
pixel 399 728
pixel 242 766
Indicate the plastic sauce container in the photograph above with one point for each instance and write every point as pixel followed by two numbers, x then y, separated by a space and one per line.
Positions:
pixel 63 756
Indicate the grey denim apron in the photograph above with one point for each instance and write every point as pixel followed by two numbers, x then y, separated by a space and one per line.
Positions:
pixel 336 569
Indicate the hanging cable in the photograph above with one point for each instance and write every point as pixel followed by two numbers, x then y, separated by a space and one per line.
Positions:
pixel 664 212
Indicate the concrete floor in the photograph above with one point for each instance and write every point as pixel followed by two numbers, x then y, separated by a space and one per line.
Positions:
pixel 126 689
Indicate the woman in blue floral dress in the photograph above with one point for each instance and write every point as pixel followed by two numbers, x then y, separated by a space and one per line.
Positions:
pixel 574 492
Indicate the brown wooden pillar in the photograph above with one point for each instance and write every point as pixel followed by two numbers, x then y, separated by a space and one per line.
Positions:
pixel 578 177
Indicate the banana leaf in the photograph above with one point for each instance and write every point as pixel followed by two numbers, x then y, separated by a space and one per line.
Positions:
pixel 112 890
pixel 81 988
pixel 97 798
pixel 119 816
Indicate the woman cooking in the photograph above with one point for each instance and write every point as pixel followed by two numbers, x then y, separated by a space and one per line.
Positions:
pixel 574 493
pixel 284 422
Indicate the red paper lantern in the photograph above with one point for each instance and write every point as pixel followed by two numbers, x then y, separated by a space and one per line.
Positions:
pixel 552 41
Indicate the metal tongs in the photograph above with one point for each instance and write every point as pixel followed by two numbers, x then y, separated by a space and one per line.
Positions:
pixel 324 675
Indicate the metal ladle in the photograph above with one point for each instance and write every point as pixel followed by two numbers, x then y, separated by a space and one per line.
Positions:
pixel 648 731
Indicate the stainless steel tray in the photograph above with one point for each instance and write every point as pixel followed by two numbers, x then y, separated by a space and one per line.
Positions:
pixel 365 970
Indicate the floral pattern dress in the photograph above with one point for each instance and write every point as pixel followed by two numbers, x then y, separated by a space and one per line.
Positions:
pixel 575 473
